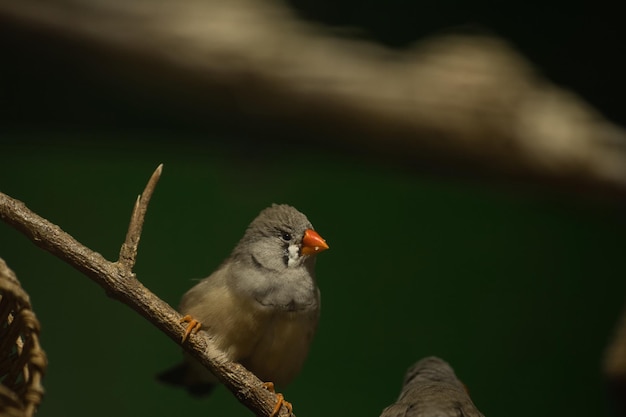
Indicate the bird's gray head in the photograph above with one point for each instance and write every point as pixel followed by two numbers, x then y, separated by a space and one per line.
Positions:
pixel 431 369
pixel 274 261
pixel 432 389
pixel 279 237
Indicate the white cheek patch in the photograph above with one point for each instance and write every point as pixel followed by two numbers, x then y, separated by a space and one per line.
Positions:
pixel 294 255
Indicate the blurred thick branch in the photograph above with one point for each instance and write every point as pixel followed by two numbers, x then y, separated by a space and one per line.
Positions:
pixel 119 281
pixel 614 367
pixel 465 104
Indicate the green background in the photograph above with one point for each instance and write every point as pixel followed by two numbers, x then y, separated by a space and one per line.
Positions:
pixel 519 289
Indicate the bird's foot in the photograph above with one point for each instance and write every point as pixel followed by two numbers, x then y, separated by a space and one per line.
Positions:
pixel 192 327
pixel 281 400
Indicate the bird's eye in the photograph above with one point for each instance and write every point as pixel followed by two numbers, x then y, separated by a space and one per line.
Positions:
pixel 285 236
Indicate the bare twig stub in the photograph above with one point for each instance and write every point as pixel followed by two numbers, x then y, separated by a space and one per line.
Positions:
pixel 128 253
pixel 119 281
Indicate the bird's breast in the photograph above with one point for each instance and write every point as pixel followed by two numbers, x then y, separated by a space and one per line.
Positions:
pixel 290 291
pixel 283 346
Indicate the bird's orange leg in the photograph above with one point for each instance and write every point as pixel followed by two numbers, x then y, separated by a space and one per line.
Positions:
pixel 192 328
pixel 281 400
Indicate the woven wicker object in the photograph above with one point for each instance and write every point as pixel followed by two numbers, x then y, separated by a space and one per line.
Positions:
pixel 22 362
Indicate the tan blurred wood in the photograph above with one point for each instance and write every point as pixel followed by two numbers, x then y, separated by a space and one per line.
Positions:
pixel 468 101
pixel 615 358
pixel 614 367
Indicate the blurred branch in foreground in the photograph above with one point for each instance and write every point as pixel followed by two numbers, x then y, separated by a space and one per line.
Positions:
pixel 468 102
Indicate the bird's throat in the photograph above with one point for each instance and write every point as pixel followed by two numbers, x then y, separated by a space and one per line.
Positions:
pixel 293 256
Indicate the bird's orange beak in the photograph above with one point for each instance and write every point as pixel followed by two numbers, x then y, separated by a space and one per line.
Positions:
pixel 312 243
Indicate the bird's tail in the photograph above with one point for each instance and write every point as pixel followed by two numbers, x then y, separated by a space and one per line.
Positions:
pixel 182 376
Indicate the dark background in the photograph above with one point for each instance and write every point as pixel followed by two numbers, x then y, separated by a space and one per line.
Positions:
pixel 517 288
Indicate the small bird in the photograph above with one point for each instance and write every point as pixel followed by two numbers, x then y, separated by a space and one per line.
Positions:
pixel 262 304
pixel 431 389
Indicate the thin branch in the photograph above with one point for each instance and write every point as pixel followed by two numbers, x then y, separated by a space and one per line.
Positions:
pixel 128 253
pixel 119 281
